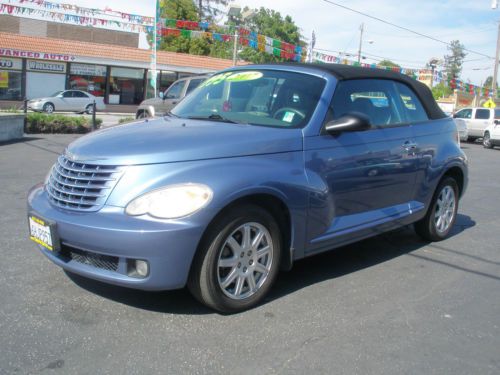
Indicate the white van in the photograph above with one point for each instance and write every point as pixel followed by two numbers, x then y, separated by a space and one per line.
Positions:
pixel 476 120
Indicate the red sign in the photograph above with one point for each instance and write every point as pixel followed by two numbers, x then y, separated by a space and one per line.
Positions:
pixel 5 52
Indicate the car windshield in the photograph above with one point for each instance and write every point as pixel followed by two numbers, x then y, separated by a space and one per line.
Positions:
pixel 56 93
pixel 258 97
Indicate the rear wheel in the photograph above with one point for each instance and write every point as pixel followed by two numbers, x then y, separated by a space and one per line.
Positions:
pixel 48 108
pixel 89 109
pixel 487 140
pixel 442 213
pixel 238 260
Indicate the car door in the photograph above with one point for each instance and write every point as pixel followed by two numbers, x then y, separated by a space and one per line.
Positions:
pixel 495 132
pixel 65 101
pixel 81 100
pixel 368 176
pixel 172 96
pixel 480 121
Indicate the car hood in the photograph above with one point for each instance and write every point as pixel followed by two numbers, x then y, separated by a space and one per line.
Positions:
pixel 41 99
pixel 169 139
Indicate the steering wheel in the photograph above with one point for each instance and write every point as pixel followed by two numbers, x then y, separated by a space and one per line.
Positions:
pixel 288 109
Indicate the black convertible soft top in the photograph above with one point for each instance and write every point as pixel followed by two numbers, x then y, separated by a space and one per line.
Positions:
pixel 347 72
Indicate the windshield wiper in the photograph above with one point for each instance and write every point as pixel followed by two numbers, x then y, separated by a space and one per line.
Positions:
pixel 214 117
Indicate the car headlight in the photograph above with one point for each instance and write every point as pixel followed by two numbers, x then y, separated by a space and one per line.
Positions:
pixel 171 202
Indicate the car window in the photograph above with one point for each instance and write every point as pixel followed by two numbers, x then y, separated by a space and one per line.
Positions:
pixel 413 108
pixel 259 97
pixel 175 91
pixel 194 83
pixel 68 94
pixel 79 94
pixel 497 114
pixel 464 113
pixel 482 114
pixel 378 99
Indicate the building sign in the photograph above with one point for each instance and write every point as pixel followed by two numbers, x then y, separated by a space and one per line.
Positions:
pixel 88 70
pixel 7 52
pixel 42 66
pixel 4 80
pixel 11 64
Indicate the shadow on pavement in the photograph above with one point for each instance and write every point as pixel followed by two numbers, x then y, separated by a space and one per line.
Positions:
pixel 306 272
pixel 20 140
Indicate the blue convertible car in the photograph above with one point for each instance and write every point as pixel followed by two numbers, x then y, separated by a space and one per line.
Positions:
pixel 260 166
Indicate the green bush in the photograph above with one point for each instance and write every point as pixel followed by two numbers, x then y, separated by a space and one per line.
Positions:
pixel 124 120
pixel 44 123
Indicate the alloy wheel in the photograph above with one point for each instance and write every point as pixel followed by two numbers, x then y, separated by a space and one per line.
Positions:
pixel 245 261
pixel 445 209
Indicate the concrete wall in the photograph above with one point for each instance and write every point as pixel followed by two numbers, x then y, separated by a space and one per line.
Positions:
pixel 11 126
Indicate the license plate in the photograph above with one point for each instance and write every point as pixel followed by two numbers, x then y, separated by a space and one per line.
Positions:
pixel 43 233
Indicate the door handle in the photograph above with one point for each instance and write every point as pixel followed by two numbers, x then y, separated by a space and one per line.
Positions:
pixel 408 145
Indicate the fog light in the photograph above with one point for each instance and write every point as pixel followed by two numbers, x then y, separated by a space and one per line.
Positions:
pixel 142 268
pixel 137 268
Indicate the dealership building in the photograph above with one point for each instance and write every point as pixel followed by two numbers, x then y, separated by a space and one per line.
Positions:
pixel 39 58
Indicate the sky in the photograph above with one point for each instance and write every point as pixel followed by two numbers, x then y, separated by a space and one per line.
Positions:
pixel 472 22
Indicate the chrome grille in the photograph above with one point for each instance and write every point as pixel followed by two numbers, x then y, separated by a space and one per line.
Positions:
pixel 81 186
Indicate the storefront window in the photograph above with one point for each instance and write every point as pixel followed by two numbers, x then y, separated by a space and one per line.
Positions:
pixel 90 78
pixel 126 86
pixel 10 79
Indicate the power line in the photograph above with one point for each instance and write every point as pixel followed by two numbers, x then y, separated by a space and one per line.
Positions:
pixel 401 27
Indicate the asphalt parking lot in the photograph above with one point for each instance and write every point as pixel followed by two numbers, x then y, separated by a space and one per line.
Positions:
pixel 389 305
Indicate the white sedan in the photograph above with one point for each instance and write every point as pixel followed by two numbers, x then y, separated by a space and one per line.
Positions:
pixel 67 101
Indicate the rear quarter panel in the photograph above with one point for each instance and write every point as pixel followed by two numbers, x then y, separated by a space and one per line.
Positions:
pixel 437 152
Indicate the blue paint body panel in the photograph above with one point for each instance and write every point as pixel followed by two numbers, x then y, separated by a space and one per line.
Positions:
pixel 337 189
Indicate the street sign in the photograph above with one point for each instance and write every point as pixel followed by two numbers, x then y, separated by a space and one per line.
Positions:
pixel 489 104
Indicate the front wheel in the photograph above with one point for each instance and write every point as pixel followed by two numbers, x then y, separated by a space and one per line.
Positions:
pixel 442 213
pixel 238 260
pixel 487 140
pixel 48 108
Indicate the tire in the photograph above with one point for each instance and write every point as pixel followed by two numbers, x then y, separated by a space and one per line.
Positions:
pixel 142 114
pixel 445 198
pixel 229 276
pixel 89 109
pixel 487 140
pixel 48 108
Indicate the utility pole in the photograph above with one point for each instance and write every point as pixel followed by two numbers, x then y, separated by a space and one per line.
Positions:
pixel 494 5
pixel 235 45
pixel 495 70
pixel 361 28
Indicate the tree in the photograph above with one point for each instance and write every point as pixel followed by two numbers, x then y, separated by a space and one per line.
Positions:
pixel 208 9
pixel 455 59
pixel 179 10
pixel 441 90
pixel 488 82
pixel 270 23
pixel 388 63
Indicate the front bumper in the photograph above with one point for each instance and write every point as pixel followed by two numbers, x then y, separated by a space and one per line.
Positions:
pixel 167 246
pixel 35 106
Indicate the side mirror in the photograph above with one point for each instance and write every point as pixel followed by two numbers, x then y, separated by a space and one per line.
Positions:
pixel 497 122
pixel 454 115
pixel 348 123
pixel 161 95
